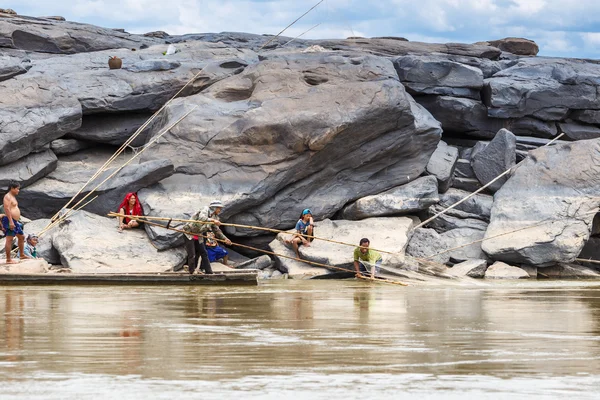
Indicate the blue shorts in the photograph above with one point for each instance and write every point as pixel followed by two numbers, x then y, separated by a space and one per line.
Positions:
pixel 18 230
pixel 215 253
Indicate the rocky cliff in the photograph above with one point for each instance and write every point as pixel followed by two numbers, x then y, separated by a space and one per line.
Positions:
pixel 354 129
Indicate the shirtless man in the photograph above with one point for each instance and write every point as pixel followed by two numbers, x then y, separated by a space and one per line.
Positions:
pixel 11 224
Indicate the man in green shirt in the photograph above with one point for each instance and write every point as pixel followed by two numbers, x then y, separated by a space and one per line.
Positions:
pixel 364 256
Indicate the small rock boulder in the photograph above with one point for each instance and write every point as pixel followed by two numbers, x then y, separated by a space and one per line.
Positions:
pixel 500 270
pixel 63 147
pixel 471 268
pixel 569 271
pixel 28 169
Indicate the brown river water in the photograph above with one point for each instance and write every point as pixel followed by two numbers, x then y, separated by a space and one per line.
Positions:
pixel 301 340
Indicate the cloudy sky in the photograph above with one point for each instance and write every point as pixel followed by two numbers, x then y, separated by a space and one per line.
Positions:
pixel 560 27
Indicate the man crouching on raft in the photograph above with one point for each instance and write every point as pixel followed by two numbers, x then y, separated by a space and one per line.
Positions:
pixel 208 220
pixel 11 223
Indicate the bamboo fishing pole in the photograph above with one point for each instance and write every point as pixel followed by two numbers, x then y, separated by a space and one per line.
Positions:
pixel 260 228
pixel 255 249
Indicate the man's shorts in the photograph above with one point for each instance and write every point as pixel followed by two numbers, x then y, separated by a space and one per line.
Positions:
pixel 215 253
pixel 18 230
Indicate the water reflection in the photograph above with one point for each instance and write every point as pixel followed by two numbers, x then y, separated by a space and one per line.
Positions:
pixel 286 328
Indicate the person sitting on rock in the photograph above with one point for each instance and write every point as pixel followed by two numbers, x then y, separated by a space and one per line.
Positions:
pixel 304 227
pixel 215 252
pixel 31 242
pixel 205 220
pixel 366 260
pixel 130 206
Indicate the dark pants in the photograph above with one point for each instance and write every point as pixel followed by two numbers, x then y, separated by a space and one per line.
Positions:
pixel 196 251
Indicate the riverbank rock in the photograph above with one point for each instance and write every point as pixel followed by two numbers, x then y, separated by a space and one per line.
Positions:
pixel 34 112
pixel 51 35
pixel 114 129
pixel 500 270
pixel 48 195
pixel 498 156
pixel 268 142
pixel 556 188
pixel 518 46
pixel 13 66
pixel 570 271
pixel 413 197
pixel 454 245
pixel 24 267
pixel 477 206
pixel 389 234
pixel 461 115
pixel 438 75
pixel 471 268
pixel 454 219
pixel 28 169
pixel 89 243
pixel 544 88
pixel 442 165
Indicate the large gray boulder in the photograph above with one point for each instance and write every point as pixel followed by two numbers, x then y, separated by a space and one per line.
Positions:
pixel 496 158
pixel 112 129
pixel 48 195
pixel 438 75
pixel 415 196
pixel 442 165
pixel 89 243
pixel 34 112
pixel 388 234
pixel 453 245
pixel 556 189
pixel 314 130
pixel 461 115
pixel 48 35
pixel 101 90
pixel 28 170
pixel 545 88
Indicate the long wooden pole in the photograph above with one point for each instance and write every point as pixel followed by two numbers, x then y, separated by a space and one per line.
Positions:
pixel 444 211
pixel 286 28
pixel 143 218
pixel 259 250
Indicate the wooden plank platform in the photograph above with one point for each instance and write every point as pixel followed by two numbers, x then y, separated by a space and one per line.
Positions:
pixel 242 277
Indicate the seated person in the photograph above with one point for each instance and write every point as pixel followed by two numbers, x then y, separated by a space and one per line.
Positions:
pixel 304 226
pixel 365 259
pixel 130 206
pixel 30 250
pixel 215 252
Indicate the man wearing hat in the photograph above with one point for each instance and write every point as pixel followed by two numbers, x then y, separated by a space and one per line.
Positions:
pixel 208 220
pixel 304 226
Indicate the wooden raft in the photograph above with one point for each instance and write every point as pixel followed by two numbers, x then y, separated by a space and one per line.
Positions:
pixel 242 277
